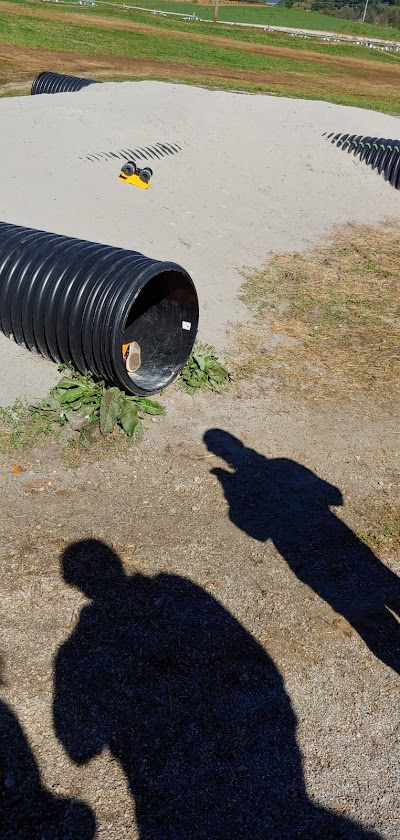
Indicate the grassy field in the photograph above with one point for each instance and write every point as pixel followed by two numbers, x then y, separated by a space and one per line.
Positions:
pixel 274 16
pixel 278 39
pixel 21 31
pixel 114 43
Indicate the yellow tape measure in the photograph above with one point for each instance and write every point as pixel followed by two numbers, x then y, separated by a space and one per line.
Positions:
pixel 135 180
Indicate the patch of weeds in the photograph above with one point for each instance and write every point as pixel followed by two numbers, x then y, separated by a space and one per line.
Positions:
pixel 5 94
pixel 386 535
pixel 204 370
pixel 84 413
pixel 89 406
pixel 21 429
pixel 326 322
pixel 80 412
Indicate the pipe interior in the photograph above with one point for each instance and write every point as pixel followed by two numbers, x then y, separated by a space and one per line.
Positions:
pixel 158 321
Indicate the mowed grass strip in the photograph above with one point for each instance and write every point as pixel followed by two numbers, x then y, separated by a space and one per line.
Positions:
pixel 250 38
pixel 57 35
pixel 327 322
pixel 275 16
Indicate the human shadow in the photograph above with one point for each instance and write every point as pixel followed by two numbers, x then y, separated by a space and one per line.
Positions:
pixel 281 500
pixel 27 810
pixel 188 703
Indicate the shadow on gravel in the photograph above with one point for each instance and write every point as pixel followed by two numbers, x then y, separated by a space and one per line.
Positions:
pixel 280 500
pixel 27 810
pixel 192 708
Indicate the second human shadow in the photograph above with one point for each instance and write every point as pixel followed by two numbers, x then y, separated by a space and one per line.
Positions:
pixel 280 500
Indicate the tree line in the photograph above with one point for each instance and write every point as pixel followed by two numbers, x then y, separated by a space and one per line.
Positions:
pixel 383 12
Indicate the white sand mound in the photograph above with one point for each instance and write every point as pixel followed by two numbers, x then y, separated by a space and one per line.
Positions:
pixel 254 175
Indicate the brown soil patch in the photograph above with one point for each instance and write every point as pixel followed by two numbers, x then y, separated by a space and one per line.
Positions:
pixel 19 64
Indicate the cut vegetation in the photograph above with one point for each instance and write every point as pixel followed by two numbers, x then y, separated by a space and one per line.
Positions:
pixel 327 322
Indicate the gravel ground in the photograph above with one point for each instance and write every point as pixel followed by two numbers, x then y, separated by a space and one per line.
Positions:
pixel 196 641
pixel 253 176
pixel 238 675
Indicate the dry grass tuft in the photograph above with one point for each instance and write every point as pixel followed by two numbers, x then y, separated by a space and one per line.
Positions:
pixel 326 322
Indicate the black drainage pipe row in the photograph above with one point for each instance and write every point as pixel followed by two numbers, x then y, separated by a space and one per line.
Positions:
pixel 377 152
pixel 59 83
pixel 142 152
pixel 80 303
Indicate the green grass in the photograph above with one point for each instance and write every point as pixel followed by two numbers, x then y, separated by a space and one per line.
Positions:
pixel 9 94
pixel 85 39
pixel 251 36
pixel 275 16
pixel 20 429
pixel 55 35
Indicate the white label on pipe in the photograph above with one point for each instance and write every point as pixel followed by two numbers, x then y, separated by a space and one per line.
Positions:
pixel 186 325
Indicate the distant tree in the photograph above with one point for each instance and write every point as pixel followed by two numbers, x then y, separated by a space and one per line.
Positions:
pixel 394 16
pixel 381 17
pixel 348 13
pixel 384 12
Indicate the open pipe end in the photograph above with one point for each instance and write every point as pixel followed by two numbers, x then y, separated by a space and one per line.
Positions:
pixel 160 326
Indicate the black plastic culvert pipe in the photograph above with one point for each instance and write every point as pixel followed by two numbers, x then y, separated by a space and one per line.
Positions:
pixel 47 82
pixel 79 302
pixel 380 153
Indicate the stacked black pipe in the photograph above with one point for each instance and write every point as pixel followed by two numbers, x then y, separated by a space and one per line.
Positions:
pixel 59 83
pixel 377 152
pixel 80 302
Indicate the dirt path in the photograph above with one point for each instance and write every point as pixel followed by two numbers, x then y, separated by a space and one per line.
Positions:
pixel 18 64
pixel 389 73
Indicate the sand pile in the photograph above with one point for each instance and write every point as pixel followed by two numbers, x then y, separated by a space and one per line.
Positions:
pixel 253 175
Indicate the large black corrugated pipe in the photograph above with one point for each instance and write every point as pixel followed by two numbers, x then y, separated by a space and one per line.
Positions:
pixel 58 83
pixel 81 303
pixel 377 152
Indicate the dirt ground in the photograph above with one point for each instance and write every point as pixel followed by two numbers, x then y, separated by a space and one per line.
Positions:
pixel 199 634
pixel 19 65
pixel 239 677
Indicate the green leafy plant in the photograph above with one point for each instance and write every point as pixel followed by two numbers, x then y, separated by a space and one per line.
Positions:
pixel 86 405
pixel 203 370
pixel 90 408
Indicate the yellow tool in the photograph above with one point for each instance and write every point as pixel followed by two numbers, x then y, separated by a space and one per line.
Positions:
pixel 132 174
